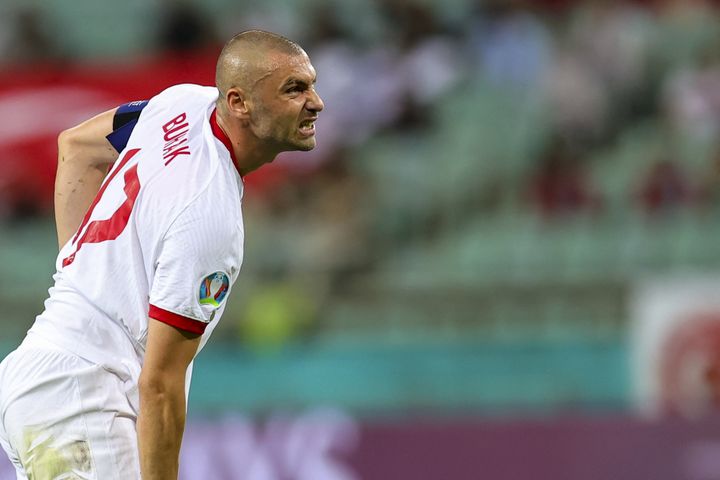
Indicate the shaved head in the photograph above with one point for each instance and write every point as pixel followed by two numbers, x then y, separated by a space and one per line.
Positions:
pixel 267 101
pixel 249 57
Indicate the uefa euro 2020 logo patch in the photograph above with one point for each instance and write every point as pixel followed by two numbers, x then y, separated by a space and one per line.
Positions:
pixel 213 289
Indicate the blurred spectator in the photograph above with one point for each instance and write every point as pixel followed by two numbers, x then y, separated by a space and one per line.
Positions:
pixel 664 188
pixel 327 27
pixel 26 38
pixel 409 21
pixel 613 39
pixel 578 104
pixel 692 97
pixel 358 84
pixel 426 59
pixel 184 27
pixel 510 44
pixel 560 186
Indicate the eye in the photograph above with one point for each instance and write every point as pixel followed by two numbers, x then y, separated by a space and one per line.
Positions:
pixel 296 88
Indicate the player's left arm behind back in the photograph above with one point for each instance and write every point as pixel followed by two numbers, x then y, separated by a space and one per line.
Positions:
pixel 84 157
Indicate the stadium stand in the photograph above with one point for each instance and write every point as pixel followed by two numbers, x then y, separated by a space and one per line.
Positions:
pixel 442 281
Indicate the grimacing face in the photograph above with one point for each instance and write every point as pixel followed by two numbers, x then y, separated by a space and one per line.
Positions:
pixel 286 105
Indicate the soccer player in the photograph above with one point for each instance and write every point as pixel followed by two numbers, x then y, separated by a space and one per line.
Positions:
pixel 149 252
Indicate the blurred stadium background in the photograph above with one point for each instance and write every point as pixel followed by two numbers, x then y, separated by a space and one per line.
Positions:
pixel 501 262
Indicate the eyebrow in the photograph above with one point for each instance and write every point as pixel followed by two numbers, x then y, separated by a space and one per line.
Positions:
pixel 300 81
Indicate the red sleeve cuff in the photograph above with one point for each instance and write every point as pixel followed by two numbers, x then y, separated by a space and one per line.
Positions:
pixel 178 321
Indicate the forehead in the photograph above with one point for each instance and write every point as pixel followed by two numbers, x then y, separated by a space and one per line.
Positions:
pixel 285 68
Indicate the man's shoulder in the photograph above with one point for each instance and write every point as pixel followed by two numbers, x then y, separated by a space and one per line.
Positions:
pixel 173 126
pixel 187 92
pixel 178 141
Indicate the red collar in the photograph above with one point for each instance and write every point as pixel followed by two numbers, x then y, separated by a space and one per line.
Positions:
pixel 220 135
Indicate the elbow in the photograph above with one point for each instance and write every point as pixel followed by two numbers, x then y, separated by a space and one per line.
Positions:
pixel 151 385
pixel 158 385
pixel 68 137
pixel 67 143
pixel 164 392
pixel 77 149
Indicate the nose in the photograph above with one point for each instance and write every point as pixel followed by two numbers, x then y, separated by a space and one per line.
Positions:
pixel 314 103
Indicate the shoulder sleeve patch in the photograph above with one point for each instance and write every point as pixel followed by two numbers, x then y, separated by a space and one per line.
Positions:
pixel 214 289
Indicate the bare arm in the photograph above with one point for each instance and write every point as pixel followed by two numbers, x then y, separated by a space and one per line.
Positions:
pixel 84 157
pixel 162 399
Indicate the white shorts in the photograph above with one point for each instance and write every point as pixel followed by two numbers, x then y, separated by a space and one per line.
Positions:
pixel 62 417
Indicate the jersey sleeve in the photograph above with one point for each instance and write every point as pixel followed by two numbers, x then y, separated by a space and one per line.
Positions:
pixel 194 267
pixel 124 121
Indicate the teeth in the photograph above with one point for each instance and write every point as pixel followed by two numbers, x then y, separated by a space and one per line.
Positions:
pixel 307 124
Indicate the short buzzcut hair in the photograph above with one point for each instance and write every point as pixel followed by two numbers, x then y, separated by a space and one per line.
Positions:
pixel 242 55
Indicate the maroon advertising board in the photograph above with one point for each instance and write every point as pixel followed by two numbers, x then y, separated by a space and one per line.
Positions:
pixel 331 445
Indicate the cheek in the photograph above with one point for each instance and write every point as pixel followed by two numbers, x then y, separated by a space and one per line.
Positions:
pixel 286 122
pixel 275 122
pixel 263 122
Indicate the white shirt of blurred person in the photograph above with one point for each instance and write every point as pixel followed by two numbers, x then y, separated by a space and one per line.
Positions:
pixel 98 388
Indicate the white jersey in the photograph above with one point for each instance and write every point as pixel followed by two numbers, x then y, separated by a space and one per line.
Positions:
pixel 163 238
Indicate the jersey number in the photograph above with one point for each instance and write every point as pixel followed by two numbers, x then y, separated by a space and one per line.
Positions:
pixel 103 230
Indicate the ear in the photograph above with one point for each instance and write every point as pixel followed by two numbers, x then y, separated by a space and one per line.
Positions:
pixel 238 103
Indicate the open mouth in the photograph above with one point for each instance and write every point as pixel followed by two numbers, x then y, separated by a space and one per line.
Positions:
pixel 307 127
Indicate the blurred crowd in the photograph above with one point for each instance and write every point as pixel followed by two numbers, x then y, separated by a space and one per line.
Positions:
pixel 628 95
pixel 599 68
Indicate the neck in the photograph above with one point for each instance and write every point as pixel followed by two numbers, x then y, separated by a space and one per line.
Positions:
pixel 249 151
